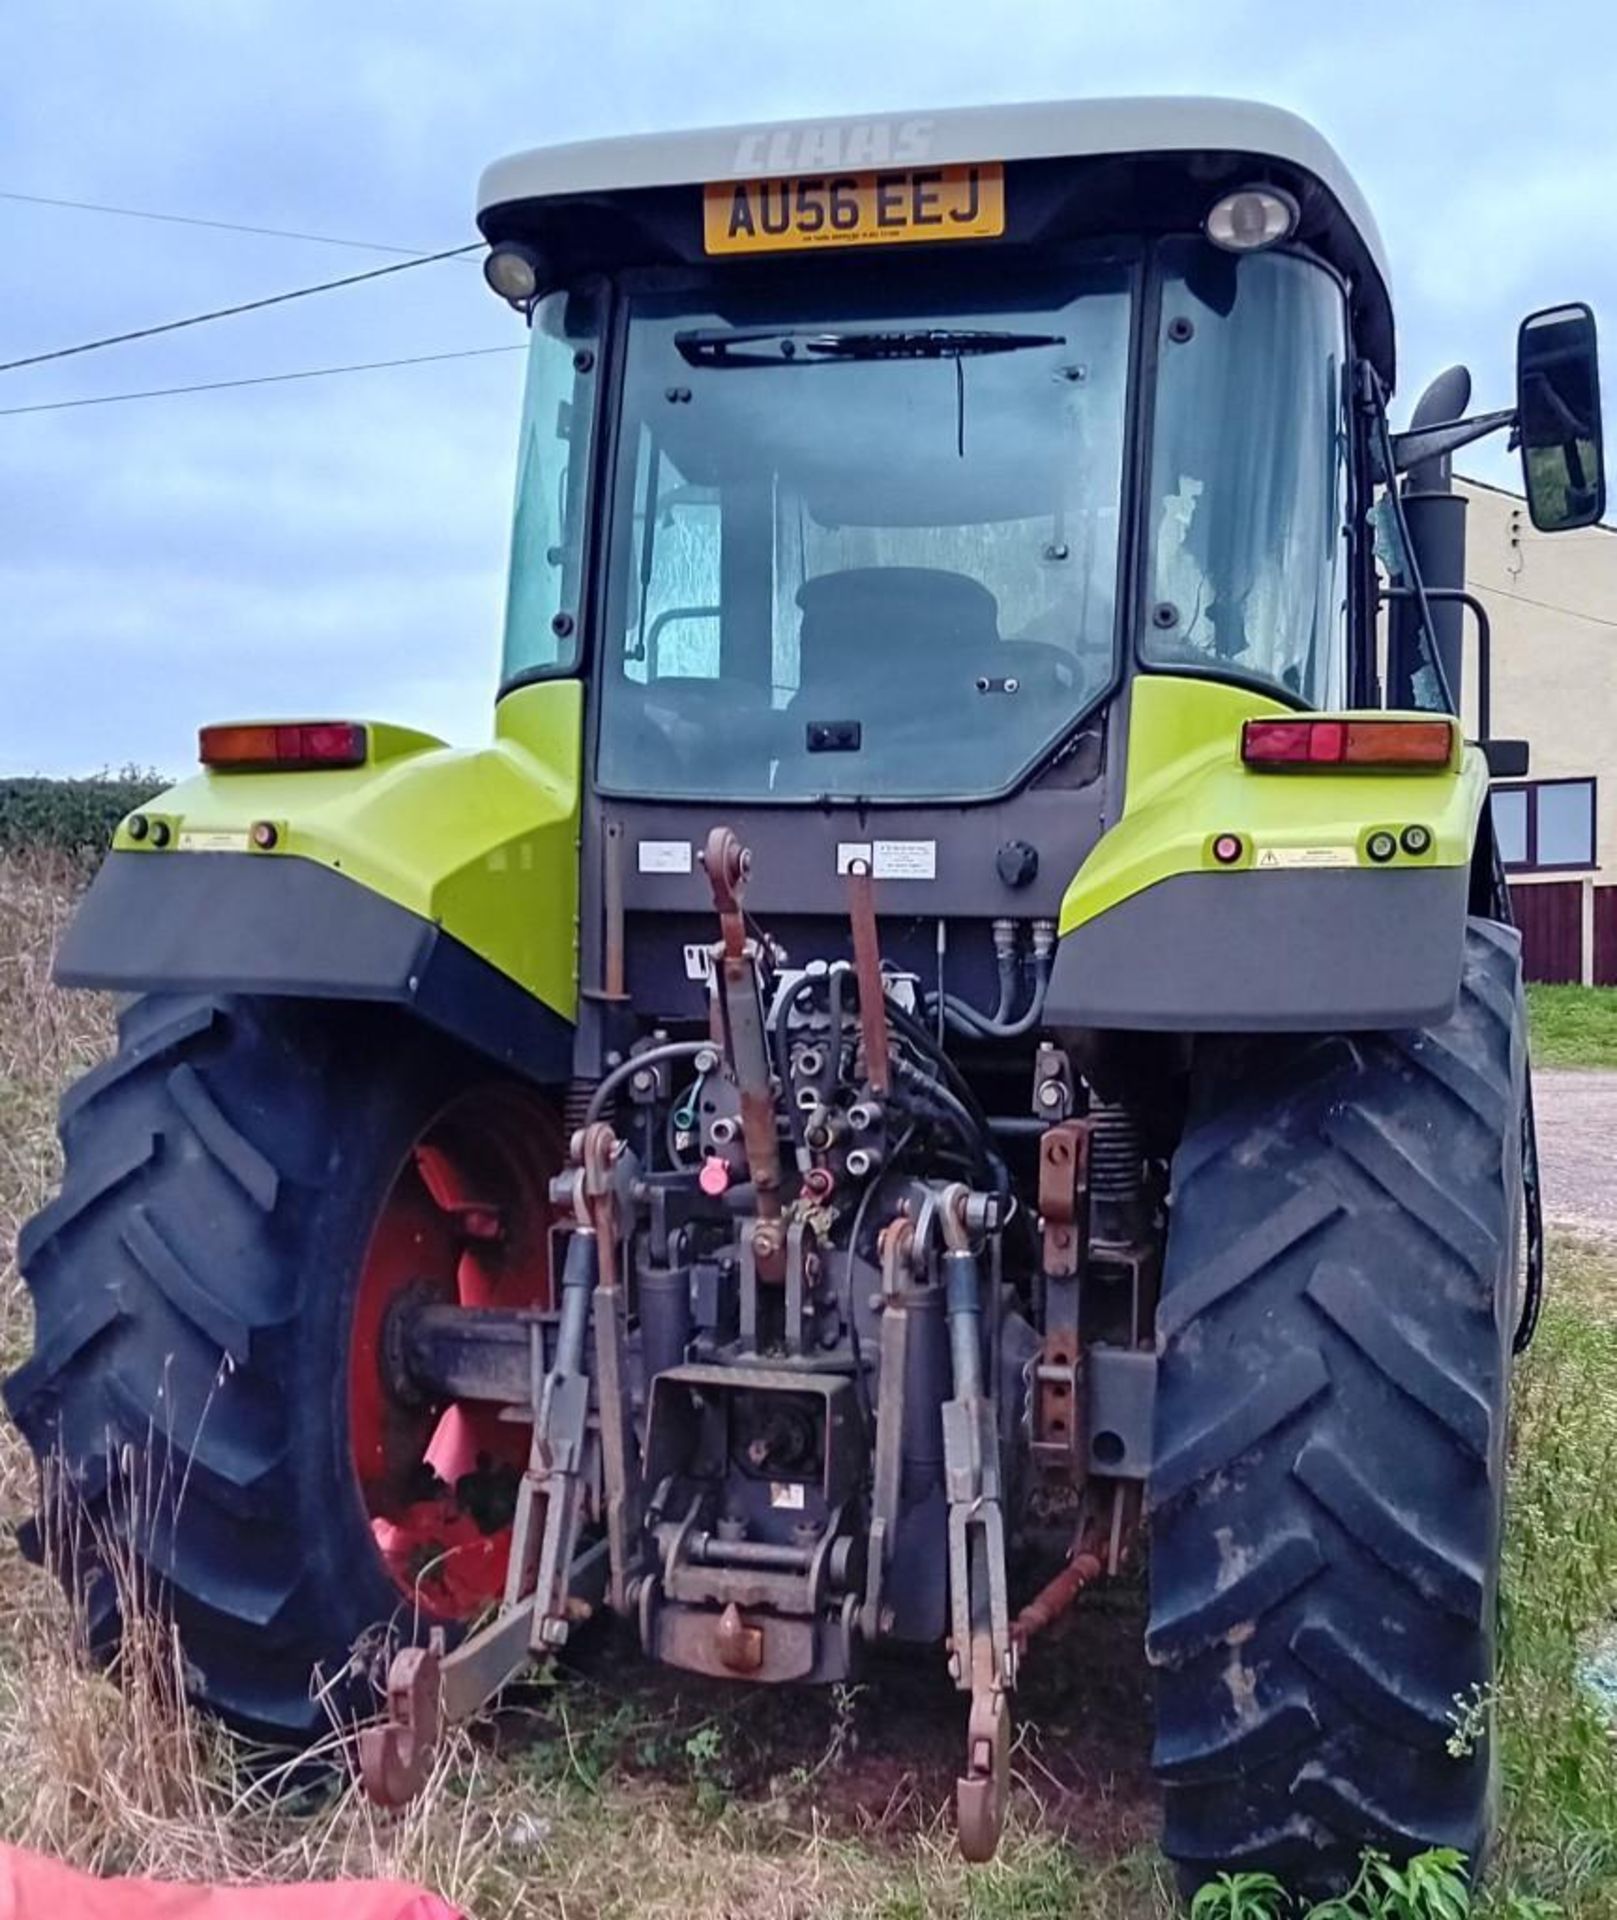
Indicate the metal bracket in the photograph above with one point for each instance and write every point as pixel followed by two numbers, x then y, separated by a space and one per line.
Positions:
pixel 1057 1423
pixel 1121 1385
pixel 428 1689
pixel 887 1480
pixel 983 1655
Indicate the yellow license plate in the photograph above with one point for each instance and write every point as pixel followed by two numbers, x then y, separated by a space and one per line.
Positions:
pixel 854 209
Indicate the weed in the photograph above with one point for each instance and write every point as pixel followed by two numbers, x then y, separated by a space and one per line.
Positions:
pixel 1240 1896
pixel 704 1749
pixel 1470 1716
pixel 1431 1887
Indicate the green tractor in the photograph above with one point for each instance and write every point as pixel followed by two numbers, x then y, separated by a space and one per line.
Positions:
pixel 964 1037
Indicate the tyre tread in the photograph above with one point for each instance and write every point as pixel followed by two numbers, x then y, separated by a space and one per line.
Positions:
pixel 1324 1562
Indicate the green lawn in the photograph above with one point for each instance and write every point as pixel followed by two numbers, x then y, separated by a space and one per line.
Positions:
pixel 1574 1026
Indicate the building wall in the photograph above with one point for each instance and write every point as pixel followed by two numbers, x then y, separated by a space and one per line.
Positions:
pixel 1552 601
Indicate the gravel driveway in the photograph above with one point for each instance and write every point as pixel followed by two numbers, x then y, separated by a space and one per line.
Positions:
pixel 1577 1147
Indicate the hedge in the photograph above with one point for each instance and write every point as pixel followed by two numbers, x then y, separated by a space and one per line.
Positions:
pixel 74 817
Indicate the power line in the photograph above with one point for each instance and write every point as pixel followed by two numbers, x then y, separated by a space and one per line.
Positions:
pixel 1549 606
pixel 193 220
pixel 256 380
pixel 246 306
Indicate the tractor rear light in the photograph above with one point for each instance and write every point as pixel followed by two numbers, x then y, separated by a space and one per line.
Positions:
pixel 1347 743
pixel 300 748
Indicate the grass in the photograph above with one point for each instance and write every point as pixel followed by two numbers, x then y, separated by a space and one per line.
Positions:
pixel 1560 1587
pixel 1573 1026
pixel 633 1806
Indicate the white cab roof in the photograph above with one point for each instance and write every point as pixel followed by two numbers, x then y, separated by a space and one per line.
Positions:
pixel 1043 130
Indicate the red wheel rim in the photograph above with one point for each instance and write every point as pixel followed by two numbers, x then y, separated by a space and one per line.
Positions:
pixel 466 1220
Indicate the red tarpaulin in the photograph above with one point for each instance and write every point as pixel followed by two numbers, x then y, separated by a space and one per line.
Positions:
pixel 34 1888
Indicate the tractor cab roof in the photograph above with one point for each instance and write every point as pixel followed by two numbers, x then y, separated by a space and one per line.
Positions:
pixel 1073 168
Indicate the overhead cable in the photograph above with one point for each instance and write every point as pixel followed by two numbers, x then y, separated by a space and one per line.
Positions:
pixel 255 380
pixel 246 306
pixel 219 226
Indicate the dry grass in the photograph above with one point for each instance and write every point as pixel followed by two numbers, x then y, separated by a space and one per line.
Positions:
pixel 115 1773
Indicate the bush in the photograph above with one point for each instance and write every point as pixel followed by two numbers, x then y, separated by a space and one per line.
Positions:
pixel 72 817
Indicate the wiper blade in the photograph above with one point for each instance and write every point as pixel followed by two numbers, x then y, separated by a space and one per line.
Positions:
pixel 741 347
pixel 927 343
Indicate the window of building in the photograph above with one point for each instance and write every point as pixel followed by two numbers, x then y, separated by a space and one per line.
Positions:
pixel 1545 823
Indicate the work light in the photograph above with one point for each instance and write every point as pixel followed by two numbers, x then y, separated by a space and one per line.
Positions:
pixel 1252 218
pixel 513 270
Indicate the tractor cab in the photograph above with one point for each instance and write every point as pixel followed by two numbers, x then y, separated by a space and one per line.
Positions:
pixel 862 466
pixel 922 439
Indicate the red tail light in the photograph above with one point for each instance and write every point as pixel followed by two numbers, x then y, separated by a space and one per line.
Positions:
pixel 1347 743
pixel 298 748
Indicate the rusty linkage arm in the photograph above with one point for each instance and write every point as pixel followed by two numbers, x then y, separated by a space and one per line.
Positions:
pixel 727 865
pixel 549 1583
pixel 867 971
pixel 983 1654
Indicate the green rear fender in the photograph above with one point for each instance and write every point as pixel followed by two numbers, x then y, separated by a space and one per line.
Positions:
pixel 1297 929
pixel 1186 786
pixel 482 842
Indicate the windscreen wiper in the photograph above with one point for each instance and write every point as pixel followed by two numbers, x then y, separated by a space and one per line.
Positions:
pixel 743 347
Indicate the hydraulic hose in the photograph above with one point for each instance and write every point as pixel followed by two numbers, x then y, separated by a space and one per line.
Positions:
pixel 780 1047
pixel 923 1039
pixel 943 1105
pixel 966 1019
pixel 833 1053
pixel 1005 962
pixel 651 1057
pixel 971 1021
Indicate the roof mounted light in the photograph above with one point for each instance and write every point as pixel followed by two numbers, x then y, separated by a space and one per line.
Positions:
pixel 515 273
pixel 1251 218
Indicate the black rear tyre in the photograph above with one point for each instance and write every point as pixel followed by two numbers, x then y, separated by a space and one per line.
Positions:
pixel 1335 1333
pixel 194 1285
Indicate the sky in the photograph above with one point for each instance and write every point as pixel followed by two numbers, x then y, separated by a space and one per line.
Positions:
pixel 337 546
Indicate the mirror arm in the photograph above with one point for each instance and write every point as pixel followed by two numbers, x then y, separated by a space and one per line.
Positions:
pixel 1479 612
pixel 1431 443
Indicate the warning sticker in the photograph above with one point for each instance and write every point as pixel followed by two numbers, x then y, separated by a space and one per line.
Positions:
pixel 786 1494
pixel 1306 857
pixel 665 856
pixel 890 859
pixel 212 840
pixel 906 860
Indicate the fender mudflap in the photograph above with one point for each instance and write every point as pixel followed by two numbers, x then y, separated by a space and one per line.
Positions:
pixel 249 923
pixel 1268 952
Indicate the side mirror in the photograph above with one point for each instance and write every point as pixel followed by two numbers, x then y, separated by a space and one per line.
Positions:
pixel 1558 418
